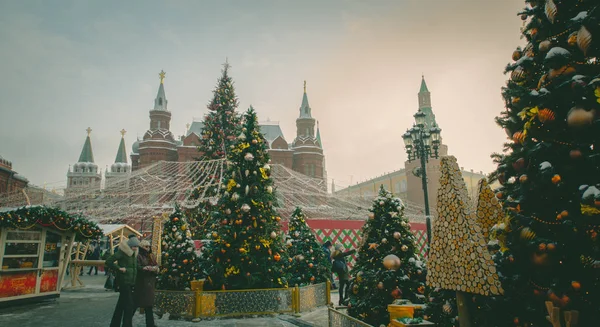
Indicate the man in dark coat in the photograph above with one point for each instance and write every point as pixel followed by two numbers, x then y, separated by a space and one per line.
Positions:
pixel 327 249
pixel 340 267
pixel 94 256
pixel 146 282
pixel 124 262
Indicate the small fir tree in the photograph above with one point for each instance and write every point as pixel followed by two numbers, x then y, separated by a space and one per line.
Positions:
pixel 441 308
pixel 221 126
pixel 310 263
pixel 247 248
pixel 550 171
pixel 180 264
pixel 379 282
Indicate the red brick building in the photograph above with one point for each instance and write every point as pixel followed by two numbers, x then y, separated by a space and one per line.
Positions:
pixel 304 154
pixel 10 180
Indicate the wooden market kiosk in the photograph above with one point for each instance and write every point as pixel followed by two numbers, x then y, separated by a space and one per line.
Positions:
pixel 35 247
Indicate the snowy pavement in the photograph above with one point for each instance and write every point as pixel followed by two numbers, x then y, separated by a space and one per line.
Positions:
pixel 92 306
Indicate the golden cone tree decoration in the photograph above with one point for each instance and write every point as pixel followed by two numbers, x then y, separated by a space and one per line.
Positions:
pixel 459 259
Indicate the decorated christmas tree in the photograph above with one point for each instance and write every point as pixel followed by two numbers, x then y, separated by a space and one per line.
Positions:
pixel 310 264
pixel 388 266
pixel 550 170
pixel 180 264
pixel 247 248
pixel 221 126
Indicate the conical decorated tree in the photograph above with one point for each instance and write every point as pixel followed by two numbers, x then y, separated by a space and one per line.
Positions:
pixel 221 126
pixel 180 264
pixel 310 264
pixel 388 266
pixel 247 249
pixel 550 171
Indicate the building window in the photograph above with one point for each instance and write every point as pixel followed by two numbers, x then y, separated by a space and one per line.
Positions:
pixel 403 186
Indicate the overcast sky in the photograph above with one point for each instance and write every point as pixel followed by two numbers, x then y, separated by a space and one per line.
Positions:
pixel 67 65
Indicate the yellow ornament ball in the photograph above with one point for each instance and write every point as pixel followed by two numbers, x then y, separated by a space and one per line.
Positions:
pixel 391 262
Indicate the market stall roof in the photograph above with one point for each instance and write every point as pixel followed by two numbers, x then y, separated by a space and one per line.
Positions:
pixel 109 229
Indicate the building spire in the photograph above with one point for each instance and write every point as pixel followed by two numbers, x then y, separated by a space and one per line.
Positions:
pixel 305 111
pixel 160 103
pixel 86 153
pixel 423 88
pixel 319 135
pixel 121 152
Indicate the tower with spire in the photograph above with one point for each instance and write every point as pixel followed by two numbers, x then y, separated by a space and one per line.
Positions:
pixel 84 174
pixel 120 168
pixel 413 183
pixel 158 143
pixel 308 150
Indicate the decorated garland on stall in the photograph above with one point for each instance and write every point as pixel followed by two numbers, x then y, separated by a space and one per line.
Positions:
pixel 29 217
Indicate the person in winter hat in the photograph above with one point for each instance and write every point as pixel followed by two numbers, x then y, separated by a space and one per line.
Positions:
pixel 124 262
pixel 146 282
pixel 341 269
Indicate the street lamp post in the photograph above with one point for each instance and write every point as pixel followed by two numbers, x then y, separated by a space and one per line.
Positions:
pixel 422 144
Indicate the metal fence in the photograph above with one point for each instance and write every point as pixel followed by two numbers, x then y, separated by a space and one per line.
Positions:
pixel 246 302
pixel 203 304
pixel 175 303
pixel 313 296
pixel 340 319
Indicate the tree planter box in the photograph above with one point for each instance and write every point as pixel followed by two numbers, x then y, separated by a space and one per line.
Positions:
pixel 396 323
pixel 207 304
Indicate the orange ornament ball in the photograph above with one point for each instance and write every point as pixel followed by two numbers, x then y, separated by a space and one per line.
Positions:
pixel 175 219
pixel 542 247
pixel 185 261
pixel 551 247
pixel 575 154
pixel 516 55
pixel 312 278
pixel 556 179
pixel 310 265
pixel 277 257
pixel 523 179
pixel 576 285
pixel 572 39
pixel 518 137
pixel 546 116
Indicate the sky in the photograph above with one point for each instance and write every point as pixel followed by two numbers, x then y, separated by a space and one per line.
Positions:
pixel 69 65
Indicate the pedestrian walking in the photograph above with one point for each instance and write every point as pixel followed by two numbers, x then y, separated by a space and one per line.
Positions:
pixel 340 267
pixel 94 256
pixel 146 282
pixel 124 263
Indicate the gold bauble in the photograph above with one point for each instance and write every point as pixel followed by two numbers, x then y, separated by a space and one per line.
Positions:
pixel 391 262
pixel 579 117
pixel 544 46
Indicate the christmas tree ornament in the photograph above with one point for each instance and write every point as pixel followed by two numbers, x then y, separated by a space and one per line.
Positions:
pixel 546 116
pixel 516 55
pixel 544 46
pixel 584 39
pixel 397 235
pixel 579 117
pixel 245 207
pixel 391 262
pixel 249 156
pixel 550 10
